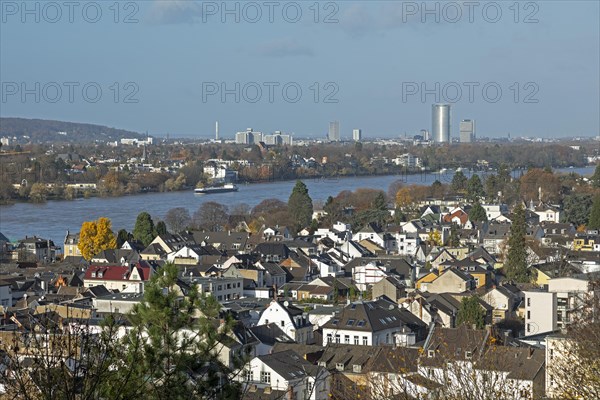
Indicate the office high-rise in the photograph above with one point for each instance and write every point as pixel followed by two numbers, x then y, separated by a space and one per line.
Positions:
pixel 334 131
pixel 467 130
pixel 278 139
pixel 248 137
pixel 440 118
pixel 357 135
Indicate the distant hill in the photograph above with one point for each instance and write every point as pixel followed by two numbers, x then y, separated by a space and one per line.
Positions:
pixel 44 131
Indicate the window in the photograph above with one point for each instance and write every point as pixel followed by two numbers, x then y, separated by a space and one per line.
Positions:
pixel 339 366
pixel 337 338
pixel 356 340
pixel 356 368
pixel 265 377
pixel 329 338
pixel 282 323
pixel 249 375
pixel 430 353
pixel 350 322
pixel 309 386
pixel 347 339
pixel 528 327
pixel 529 302
pixel 468 355
pixel 528 314
pixel 365 341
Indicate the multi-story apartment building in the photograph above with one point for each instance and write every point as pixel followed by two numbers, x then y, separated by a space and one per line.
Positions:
pixel 551 309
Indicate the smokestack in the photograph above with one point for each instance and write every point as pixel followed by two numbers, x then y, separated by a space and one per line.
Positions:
pixel 217 130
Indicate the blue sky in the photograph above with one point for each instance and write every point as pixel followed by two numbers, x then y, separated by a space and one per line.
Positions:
pixel 368 57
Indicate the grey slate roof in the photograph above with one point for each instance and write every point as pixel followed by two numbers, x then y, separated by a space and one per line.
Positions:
pixel 373 316
pixel 288 364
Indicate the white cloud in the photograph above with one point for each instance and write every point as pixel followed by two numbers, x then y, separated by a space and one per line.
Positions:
pixel 174 12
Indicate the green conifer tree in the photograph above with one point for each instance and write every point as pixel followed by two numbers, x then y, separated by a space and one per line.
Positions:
pixel 515 266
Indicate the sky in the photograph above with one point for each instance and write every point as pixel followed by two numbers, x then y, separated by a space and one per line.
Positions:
pixel 175 67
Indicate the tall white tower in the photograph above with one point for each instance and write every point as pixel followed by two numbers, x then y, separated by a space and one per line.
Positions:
pixel 217 130
pixel 440 115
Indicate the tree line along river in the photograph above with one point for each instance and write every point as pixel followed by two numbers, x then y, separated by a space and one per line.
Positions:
pixel 52 219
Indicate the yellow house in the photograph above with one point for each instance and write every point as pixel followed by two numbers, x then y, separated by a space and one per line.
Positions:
pixel 71 248
pixel 430 277
pixel 540 277
pixel 480 273
pixel 542 273
pixel 585 242
pixel 483 277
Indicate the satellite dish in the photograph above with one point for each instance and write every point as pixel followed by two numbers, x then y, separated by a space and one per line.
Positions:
pixel 286 303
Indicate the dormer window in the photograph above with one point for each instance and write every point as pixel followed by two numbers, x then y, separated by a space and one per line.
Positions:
pixel 430 353
pixel 339 366
pixel 93 274
pixel 100 274
pixel 468 355
pixel 356 368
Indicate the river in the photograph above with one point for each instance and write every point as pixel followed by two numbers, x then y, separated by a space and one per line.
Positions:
pixel 52 219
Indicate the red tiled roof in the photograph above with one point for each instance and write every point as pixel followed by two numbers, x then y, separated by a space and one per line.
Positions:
pixel 462 216
pixel 144 272
pixel 115 272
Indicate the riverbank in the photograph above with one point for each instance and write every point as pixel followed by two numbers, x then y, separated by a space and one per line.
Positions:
pixel 52 219
pixel 443 175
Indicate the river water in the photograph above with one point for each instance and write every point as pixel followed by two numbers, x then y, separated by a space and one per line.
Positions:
pixel 52 219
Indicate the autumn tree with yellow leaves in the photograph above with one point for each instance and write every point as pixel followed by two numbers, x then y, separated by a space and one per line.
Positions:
pixel 403 197
pixel 96 236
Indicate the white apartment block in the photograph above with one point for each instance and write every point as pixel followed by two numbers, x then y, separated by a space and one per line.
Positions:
pixel 222 288
pixel 548 311
pixel 494 211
